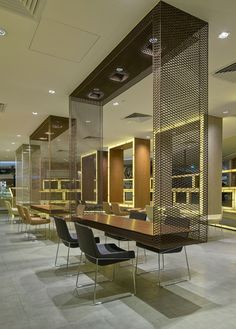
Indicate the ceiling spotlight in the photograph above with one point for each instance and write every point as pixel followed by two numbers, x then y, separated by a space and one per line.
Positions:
pixel 18 135
pixel 49 133
pixel 2 32
pixel 51 92
pixel 223 35
pixel 153 40
pixel 13 143
pixel 87 121
pixel 35 113
pixel 115 103
pixel 119 69
pixel 43 138
pixel 148 137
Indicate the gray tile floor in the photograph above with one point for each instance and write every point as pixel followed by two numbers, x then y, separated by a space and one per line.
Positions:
pixel 33 294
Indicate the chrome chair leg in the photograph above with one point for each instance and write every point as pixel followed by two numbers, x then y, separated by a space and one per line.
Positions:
pixel 68 256
pixel 186 257
pixel 134 275
pixel 95 285
pixel 58 245
pixel 163 262
pixel 136 267
pixel 159 270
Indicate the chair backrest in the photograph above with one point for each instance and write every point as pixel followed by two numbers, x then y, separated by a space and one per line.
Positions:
pixel 27 215
pixel 8 206
pixel 137 215
pixel 149 211
pixel 107 208
pixel 80 209
pixel 115 208
pixel 21 212
pixel 86 241
pixel 62 229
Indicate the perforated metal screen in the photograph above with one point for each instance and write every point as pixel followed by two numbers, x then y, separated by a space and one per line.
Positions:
pixel 180 70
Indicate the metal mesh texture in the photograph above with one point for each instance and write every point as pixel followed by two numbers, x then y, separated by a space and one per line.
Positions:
pixel 180 108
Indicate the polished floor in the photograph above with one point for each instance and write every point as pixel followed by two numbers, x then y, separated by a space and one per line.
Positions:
pixel 35 295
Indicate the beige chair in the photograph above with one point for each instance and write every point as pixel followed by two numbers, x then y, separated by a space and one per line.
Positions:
pixel 149 212
pixel 107 208
pixel 115 208
pixel 80 210
pixel 12 212
pixel 34 221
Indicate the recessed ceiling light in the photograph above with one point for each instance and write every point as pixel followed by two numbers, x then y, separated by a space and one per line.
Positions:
pixel 51 91
pixel 87 121
pixel 43 138
pixel 18 135
pixel 13 143
pixel 153 40
pixel 223 35
pixel 35 113
pixel 3 32
pixel 119 69
pixel 115 103
pixel 148 137
pixel 225 112
pixel 49 133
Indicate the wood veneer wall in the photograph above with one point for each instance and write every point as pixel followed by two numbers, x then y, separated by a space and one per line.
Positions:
pixel 141 172
pixel 116 175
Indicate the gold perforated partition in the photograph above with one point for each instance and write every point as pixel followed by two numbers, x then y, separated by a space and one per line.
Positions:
pixel 180 126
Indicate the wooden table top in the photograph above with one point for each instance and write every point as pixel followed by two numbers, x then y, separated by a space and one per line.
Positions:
pixel 127 224
pixel 49 208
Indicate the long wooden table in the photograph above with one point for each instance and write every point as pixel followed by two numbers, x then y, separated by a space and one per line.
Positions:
pixel 137 230
pixel 49 209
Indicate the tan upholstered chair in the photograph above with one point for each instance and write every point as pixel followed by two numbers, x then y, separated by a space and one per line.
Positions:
pixel 117 211
pixel 107 208
pixel 12 212
pixel 33 220
pixel 80 209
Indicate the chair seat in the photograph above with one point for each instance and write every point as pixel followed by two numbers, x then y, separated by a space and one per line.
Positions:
pixel 39 220
pixel 110 253
pixel 158 250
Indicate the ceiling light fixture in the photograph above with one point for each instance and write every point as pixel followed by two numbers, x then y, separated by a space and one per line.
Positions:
pixel 148 137
pixel 223 35
pixel 225 112
pixel 153 40
pixel 35 113
pixel 8 150
pixel 13 143
pixel 3 32
pixel 43 138
pixel 87 121
pixel 119 69
pixel 18 135
pixel 115 103
pixel 51 91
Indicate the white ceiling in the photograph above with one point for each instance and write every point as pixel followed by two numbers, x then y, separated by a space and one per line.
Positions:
pixel 71 39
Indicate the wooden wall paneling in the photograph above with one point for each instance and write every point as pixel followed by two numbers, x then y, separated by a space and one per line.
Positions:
pixel 141 172
pixel 116 175
pixel 88 177
pixel 102 176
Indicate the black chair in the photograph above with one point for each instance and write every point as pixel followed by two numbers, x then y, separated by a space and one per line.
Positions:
pixel 70 240
pixel 132 215
pixel 100 254
pixel 179 222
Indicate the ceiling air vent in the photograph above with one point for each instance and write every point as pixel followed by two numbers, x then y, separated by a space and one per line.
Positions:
pixel 92 137
pixel 30 8
pixel 119 76
pixel 96 94
pixel 227 73
pixel 229 68
pixel 2 107
pixel 140 117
